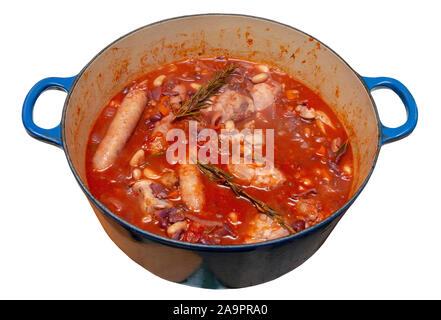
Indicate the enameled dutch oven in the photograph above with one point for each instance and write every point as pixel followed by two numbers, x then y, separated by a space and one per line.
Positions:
pixel 238 36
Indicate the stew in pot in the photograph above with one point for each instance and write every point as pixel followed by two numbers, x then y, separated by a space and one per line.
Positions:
pixel 219 151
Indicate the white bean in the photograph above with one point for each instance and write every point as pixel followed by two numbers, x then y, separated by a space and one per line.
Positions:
pixel 229 125
pixel 149 173
pixel 136 174
pixel 137 158
pixel 176 229
pixel 159 80
pixel 259 78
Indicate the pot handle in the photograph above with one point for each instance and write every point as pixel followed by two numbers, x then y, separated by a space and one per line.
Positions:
pixel 394 134
pixel 52 136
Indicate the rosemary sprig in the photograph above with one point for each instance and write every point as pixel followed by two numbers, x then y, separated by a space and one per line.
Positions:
pixel 341 151
pixel 157 154
pixel 221 177
pixel 199 100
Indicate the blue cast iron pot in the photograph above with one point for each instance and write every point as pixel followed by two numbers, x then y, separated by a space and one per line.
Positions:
pixel 239 36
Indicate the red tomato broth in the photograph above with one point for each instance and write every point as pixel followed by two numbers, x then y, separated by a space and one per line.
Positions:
pixel 298 149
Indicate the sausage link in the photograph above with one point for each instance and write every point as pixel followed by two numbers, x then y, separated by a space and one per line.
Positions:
pixel 191 187
pixel 121 128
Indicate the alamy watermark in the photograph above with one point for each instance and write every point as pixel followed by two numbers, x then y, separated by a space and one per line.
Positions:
pixel 228 147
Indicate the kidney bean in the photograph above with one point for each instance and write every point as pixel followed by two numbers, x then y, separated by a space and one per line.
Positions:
pixel 309 192
pixel 225 231
pixel 156 93
pixel 158 190
pixel 170 93
pixel 298 225
pixel 162 216
pixel 175 215
pixel 156 117
pixel 126 90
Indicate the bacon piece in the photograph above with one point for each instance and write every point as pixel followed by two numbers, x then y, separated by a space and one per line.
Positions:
pixel 265 94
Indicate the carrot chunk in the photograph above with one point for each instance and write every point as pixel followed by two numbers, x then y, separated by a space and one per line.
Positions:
pixel 163 109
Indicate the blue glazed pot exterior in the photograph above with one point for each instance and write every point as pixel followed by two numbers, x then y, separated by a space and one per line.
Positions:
pixel 393 134
pixel 210 266
pixel 263 264
pixel 212 269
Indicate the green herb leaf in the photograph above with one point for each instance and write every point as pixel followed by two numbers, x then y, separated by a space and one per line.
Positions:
pixel 200 100
pixel 341 151
pixel 157 154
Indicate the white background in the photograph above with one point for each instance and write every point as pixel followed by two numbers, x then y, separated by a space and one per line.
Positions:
pixel 386 246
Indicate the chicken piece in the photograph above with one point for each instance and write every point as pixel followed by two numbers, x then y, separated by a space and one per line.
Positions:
pixel 159 134
pixel 264 94
pixel 263 228
pixel 309 113
pixel 257 176
pixel 191 187
pixel 163 125
pixel 169 179
pixel 230 105
pixel 158 144
pixel 176 100
pixel 323 117
pixel 120 130
pixel 150 198
pixel 305 112
pixel 309 208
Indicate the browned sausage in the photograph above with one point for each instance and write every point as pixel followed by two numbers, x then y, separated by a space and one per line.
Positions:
pixel 191 187
pixel 121 128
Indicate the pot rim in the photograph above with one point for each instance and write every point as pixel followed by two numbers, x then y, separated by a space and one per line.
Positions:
pixel 205 247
